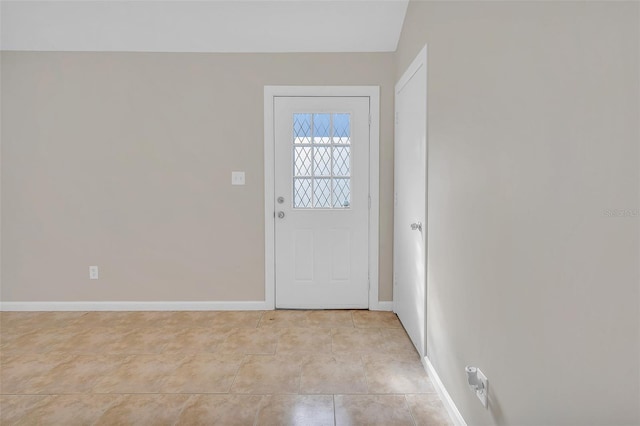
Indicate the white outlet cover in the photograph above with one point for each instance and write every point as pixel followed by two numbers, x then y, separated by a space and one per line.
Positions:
pixel 237 178
pixel 483 394
pixel 93 272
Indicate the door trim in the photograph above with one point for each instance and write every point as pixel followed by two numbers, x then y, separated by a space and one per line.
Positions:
pixel 272 92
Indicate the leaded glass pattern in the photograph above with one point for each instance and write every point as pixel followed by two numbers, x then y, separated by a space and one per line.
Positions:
pixel 322 160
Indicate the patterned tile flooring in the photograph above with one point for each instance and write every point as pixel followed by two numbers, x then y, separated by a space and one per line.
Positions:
pixel 212 368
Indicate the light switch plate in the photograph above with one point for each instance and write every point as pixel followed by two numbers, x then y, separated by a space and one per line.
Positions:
pixel 237 178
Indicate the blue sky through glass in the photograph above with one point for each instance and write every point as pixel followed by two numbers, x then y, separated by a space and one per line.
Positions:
pixel 302 125
pixel 322 125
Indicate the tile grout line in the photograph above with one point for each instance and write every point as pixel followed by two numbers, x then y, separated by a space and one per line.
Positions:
pixel 118 397
pixel 366 377
pixel 299 378
pixel 207 393
pixel 184 405
pixel 244 356
pixel 331 332
pixel 37 405
pixel 406 402
pixel 258 409
pixel 277 334
pixel 260 319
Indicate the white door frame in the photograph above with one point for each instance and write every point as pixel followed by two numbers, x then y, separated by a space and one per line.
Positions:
pixel 271 92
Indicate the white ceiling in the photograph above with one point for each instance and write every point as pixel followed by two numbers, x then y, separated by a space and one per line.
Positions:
pixel 202 26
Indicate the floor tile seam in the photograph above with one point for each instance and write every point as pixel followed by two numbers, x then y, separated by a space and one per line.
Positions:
pixel 202 394
pixel 182 408
pixel 215 393
pixel 162 349
pixel 215 350
pixel 278 335
pixel 260 319
pixel 94 382
pixel 333 332
pixel 149 393
pixel 160 382
pixel 43 402
pixel 32 378
pixel 35 328
pixel 259 324
pixel 299 377
pixel 357 393
pixel 98 353
pixel 406 402
pixel 235 376
pixel 107 408
pixel 364 369
pixel 403 394
pixel 258 408
pixel 256 393
pixel 167 375
pixel 228 392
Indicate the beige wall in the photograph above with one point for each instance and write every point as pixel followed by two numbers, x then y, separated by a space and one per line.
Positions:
pixel 123 160
pixel 533 136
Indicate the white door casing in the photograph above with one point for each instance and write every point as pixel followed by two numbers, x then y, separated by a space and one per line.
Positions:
pixel 410 218
pixel 322 252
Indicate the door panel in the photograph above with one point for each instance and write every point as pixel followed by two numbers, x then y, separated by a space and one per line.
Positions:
pixel 303 253
pixel 339 240
pixel 410 230
pixel 322 202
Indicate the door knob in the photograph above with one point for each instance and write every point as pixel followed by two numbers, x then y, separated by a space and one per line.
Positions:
pixel 280 215
pixel 280 200
pixel 416 226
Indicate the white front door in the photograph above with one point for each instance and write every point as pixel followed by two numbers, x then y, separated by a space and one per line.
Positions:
pixel 322 201
pixel 410 227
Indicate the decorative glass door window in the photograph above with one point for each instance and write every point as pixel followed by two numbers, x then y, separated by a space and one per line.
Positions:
pixel 321 161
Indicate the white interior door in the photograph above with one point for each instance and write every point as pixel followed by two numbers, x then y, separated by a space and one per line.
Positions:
pixel 410 230
pixel 322 202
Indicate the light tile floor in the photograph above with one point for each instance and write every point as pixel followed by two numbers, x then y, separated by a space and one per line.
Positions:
pixel 212 368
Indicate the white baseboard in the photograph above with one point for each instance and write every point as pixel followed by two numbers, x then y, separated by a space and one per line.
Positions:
pixel 450 406
pixel 382 306
pixel 133 306
pixel 152 306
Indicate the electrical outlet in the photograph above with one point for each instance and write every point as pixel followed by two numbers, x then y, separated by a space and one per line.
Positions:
pixel 478 383
pixel 93 272
pixel 483 392
pixel 237 178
